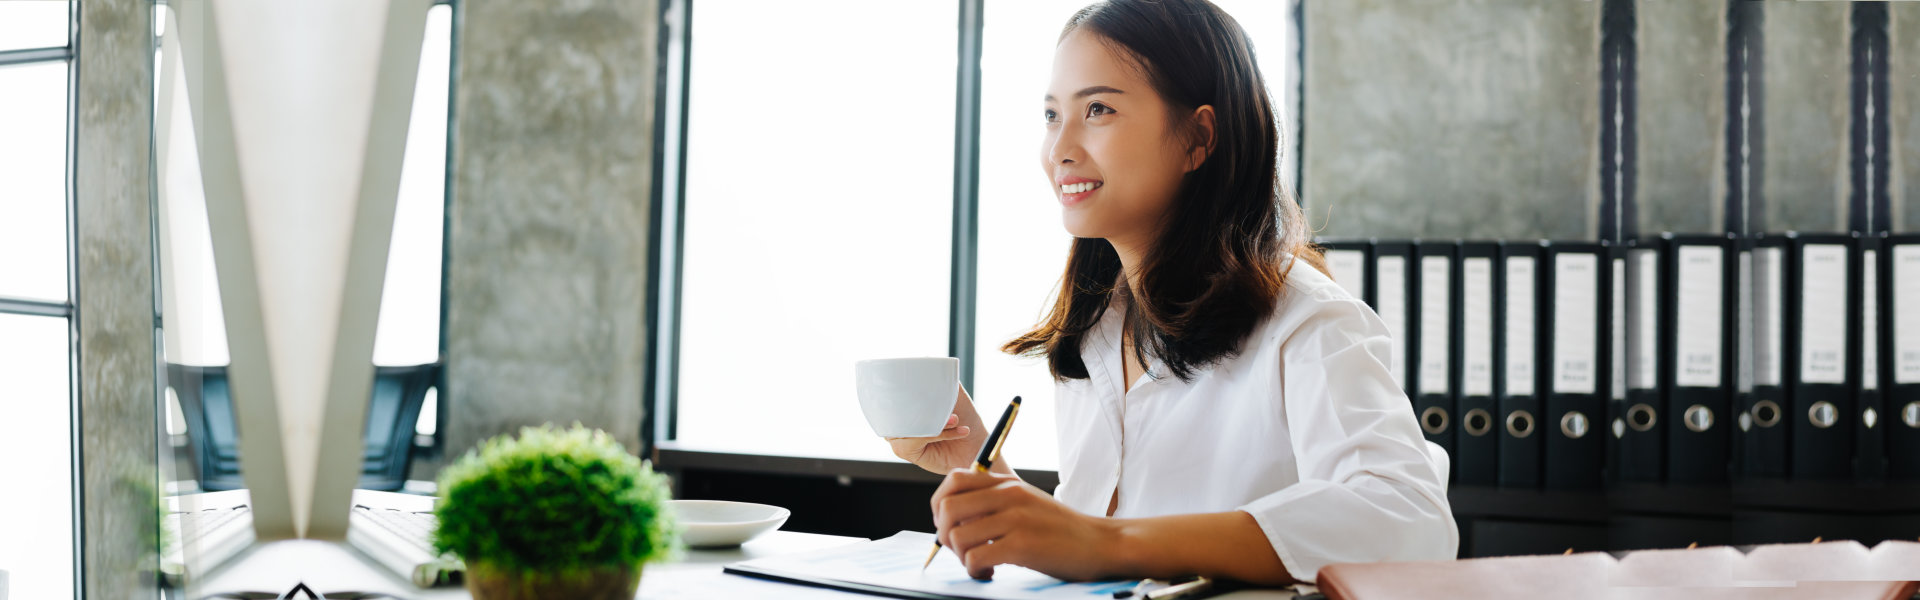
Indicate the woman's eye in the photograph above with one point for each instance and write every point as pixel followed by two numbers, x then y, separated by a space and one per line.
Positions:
pixel 1097 109
pixel 1051 115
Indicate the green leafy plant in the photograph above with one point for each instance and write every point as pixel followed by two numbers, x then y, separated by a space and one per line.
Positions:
pixel 555 504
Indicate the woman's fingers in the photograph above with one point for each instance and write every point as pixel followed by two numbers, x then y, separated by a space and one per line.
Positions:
pixel 968 534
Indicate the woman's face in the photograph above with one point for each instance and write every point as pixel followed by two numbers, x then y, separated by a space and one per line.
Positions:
pixel 1110 152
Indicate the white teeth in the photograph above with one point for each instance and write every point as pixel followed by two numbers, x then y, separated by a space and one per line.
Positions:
pixel 1075 188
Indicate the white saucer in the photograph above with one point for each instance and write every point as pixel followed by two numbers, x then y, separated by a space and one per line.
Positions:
pixel 720 524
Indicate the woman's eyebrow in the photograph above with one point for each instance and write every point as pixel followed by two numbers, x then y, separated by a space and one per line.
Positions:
pixel 1098 89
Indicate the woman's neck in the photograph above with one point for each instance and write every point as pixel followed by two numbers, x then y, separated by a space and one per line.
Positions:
pixel 1132 254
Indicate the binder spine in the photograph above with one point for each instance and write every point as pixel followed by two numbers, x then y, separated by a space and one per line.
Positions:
pixel 1575 449
pixel 1870 440
pixel 1437 317
pixel 1763 422
pixel 1823 326
pixel 1476 438
pixel 1698 372
pixel 1518 379
pixel 1900 358
pixel 1639 436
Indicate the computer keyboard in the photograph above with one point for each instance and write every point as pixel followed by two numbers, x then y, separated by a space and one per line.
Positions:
pixel 415 528
pixel 193 526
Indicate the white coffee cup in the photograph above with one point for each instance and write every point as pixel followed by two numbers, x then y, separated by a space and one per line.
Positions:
pixel 907 397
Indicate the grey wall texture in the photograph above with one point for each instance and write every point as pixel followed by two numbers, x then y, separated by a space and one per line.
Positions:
pixel 115 306
pixel 1903 105
pixel 1442 119
pixel 1682 184
pixel 547 233
pixel 1808 58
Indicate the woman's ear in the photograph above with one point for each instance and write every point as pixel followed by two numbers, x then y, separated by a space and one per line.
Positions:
pixel 1203 137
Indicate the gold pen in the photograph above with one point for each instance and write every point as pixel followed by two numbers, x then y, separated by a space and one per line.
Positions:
pixel 988 453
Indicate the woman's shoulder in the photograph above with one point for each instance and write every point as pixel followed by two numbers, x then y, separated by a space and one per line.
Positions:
pixel 1313 304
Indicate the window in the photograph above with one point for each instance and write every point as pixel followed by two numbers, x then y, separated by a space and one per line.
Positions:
pixel 818 213
pixel 36 352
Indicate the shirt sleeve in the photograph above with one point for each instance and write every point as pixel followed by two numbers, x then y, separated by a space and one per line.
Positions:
pixel 1368 488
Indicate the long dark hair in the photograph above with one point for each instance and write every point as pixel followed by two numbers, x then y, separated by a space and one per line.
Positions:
pixel 1216 268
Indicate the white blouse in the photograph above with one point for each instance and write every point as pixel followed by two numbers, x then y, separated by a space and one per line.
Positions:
pixel 1304 429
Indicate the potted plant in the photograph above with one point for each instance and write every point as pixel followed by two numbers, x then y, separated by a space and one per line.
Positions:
pixel 554 513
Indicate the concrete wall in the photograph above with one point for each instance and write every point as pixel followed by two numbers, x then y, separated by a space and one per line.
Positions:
pixel 1903 105
pixel 115 305
pixel 1438 119
pixel 1682 183
pixel 547 237
pixel 1808 62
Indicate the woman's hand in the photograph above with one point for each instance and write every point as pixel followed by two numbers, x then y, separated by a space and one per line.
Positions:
pixel 992 519
pixel 956 446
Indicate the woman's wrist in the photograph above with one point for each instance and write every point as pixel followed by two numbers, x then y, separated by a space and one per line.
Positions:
pixel 1122 550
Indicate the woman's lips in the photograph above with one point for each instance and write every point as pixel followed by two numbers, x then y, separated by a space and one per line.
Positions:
pixel 1080 190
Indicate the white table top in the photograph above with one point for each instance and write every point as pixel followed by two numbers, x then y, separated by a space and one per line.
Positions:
pixel 333 567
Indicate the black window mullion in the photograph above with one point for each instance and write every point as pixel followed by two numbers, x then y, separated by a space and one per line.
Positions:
pixel 966 191
pixel 660 422
pixel 35 55
pixel 1745 103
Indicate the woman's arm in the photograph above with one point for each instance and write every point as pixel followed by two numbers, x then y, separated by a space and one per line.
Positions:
pixel 957 445
pixel 1027 527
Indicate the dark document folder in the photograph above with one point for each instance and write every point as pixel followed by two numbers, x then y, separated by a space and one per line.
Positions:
pixel 1517 356
pixel 1821 269
pixel 1435 347
pixel 1698 370
pixel 1576 355
pixel 1869 434
pixel 1392 289
pixel 1900 277
pixel 1638 436
pixel 1476 454
pixel 1762 422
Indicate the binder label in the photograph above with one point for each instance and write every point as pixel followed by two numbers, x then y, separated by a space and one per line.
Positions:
pixel 1906 323
pixel 1698 343
pixel 1743 325
pixel 1823 314
pixel 1646 301
pixel 1391 300
pixel 1576 283
pixel 1477 302
pixel 1768 322
pixel 1619 318
pixel 1520 290
pixel 1435 323
pixel 1349 269
pixel 1869 323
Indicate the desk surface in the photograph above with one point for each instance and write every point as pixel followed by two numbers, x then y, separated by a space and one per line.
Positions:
pixel 328 567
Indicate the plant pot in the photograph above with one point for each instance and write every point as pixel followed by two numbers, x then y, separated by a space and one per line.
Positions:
pixel 605 583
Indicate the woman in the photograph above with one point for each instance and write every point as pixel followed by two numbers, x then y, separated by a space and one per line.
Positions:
pixel 1223 409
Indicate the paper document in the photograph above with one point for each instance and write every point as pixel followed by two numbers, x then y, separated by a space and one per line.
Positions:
pixel 894 564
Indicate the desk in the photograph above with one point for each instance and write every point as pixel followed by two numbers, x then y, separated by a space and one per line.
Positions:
pixel 332 566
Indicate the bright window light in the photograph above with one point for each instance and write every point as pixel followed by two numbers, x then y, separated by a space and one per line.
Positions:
pixel 818 222
pixel 33 167
pixel 38 470
pixel 409 330
pixel 33 24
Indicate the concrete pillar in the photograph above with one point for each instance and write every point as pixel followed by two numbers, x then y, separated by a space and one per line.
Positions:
pixel 547 234
pixel 1903 106
pixel 115 306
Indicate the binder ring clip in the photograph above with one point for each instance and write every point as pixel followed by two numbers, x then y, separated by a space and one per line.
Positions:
pixel 1642 417
pixel 1574 425
pixel 1434 420
pixel 1478 422
pixel 1766 413
pixel 1823 414
pixel 1520 423
pixel 1910 414
pixel 1699 418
